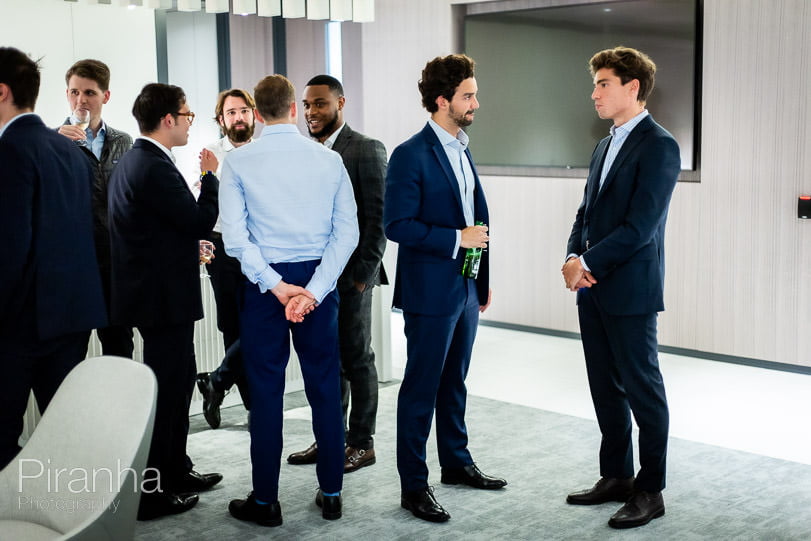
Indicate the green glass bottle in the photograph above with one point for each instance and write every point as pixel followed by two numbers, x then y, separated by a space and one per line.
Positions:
pixel 473 257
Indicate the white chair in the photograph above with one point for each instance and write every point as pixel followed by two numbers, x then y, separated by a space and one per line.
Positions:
pixel 79 476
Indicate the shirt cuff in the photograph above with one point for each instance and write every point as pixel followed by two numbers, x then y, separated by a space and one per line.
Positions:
pixel 457 245
pixel 583 262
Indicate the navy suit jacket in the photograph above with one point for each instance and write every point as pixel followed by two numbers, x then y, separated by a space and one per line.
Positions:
pixel 365 161
pixel 422 213
pixel 620 229
pixel 155 227
pixel 49 278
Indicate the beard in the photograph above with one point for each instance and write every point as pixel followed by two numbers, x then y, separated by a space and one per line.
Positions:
pixel 327 128
pixel 461 120
pixel 239 136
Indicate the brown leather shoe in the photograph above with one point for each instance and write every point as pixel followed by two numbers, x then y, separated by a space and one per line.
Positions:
pixel 607 489
pixel 307 456
pixel 358 458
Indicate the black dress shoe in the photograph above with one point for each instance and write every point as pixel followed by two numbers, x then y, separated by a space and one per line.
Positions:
pixel 358 458
pixel 263 514
pixel 472 476
pixel 198 482
pixel 607 489
pixel 422 504
pixel 639 510
pixel 212 399
pixel 330 505
pixel 307 456
pixel 159 504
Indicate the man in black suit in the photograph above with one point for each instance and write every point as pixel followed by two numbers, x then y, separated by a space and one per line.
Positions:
pixel 365 161
pixel 155 224
pixel 50 291
pixel 88 87
pixel 616 264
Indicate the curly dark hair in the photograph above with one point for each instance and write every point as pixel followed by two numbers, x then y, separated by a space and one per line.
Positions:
pixel 441 76
pixel 628 64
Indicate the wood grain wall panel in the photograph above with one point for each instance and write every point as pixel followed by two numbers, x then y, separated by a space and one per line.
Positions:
pixel 738 276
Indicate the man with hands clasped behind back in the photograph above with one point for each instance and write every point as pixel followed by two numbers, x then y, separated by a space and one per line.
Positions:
pixel 289 217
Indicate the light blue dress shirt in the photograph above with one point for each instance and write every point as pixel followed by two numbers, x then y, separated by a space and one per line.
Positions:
pixel 285 198
pixel 455 150
pixel 95 144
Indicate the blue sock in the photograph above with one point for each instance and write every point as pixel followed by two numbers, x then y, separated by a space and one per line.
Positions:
pixel 260 502
pixel 330 493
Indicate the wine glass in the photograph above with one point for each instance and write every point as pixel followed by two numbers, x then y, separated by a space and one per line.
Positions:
pixel 206 255
pixel 81 118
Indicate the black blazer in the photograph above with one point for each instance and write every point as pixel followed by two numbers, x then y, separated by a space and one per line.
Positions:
pixel 620 229
pixel 155 227
pixel 49 278
pixel 423 211
pixel 365 161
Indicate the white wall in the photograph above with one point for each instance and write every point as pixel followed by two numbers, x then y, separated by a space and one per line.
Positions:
pixel 738 276
pixel 191 43
pixel 61 33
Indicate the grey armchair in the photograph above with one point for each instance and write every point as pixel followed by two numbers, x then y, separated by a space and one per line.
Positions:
pixel 79 476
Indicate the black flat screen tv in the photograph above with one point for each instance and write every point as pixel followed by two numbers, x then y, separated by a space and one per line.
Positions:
pixel 536 114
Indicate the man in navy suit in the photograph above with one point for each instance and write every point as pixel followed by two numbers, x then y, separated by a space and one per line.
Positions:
pixel 433 199
pixel 50 290
pixel 155 223
pixel 616 264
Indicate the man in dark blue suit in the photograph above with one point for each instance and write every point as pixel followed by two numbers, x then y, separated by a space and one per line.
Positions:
pixel 155 224
pixel 50 290
pixel 433 200
pixel 616 264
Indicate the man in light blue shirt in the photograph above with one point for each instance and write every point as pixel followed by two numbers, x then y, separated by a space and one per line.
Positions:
pixel 288 214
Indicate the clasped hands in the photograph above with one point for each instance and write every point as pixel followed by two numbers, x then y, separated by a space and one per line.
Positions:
pixel 575 276
pixel 297 301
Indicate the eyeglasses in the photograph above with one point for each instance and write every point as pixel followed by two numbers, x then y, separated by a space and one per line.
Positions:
pixel 189 116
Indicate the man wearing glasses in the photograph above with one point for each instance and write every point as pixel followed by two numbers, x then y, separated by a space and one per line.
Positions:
pixel 155 224
pixel 234 113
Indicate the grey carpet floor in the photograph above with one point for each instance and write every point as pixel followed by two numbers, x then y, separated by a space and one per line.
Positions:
pixel 713 493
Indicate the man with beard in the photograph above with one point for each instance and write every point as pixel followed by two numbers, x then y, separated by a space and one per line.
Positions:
pixel 235 114
pixel 365 161
pixel 435 209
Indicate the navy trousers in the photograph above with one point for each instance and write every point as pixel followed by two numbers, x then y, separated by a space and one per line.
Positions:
pixel 265 337
pixel 623 370
pixel 438 349
pixel 169 352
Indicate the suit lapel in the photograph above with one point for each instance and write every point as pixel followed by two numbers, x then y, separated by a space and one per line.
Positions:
pixel 343 139
pixel 593 181
pixel 634 138
pixel 442 157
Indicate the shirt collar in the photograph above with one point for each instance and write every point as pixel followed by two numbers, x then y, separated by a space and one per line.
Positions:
pixel 160 146
pixel 446 138
pixel 274 129
pixel 331 139
pixel 626 128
